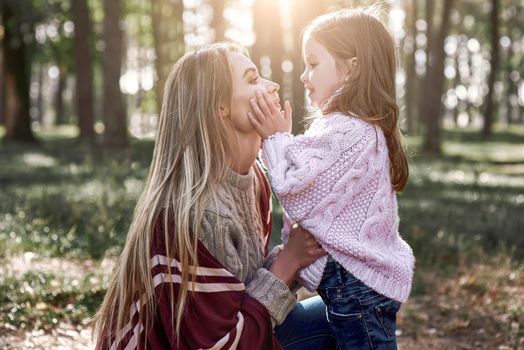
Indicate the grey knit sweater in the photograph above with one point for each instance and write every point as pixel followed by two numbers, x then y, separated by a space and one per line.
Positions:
pixel 232 232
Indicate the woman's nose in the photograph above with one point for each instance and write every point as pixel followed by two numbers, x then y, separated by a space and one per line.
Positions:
pixel 303 76
pixel 273 87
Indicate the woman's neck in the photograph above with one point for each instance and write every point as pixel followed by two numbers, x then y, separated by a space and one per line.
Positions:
pixel 246 152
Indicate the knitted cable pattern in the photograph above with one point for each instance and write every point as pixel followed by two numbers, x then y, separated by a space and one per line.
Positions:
pixel 334 180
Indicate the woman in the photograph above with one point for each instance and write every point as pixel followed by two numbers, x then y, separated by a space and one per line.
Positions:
pixel 193 272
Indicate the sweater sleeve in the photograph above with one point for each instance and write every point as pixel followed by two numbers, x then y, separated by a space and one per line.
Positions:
pixel 295 163
pixel 264 286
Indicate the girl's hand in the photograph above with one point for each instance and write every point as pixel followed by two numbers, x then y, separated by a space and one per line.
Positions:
pixel 268 118
pixel 301 250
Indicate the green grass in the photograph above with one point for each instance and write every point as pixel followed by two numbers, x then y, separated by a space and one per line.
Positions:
pixel 61 198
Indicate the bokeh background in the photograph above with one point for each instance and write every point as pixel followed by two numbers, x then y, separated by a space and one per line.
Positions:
pixel 80 91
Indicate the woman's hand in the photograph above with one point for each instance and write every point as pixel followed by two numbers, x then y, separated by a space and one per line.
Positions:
pixel 268 118
pixel 301 250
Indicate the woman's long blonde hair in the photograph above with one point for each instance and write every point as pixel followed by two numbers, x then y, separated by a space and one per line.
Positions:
pixel 191 156
pixel 369 91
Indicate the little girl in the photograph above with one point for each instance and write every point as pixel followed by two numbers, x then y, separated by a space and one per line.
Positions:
pixel 339 179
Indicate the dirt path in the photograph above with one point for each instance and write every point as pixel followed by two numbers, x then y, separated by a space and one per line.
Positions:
pixel 480 306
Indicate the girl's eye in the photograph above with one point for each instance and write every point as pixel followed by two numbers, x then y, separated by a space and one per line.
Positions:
pixel 254 80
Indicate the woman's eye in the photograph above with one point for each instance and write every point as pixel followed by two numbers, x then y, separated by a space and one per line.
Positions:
pixel 254 80
pixel 313 65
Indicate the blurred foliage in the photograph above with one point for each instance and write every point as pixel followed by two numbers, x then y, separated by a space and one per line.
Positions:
pixel 66 198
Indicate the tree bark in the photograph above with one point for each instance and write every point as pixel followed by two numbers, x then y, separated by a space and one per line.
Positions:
pixel 168 33
pixel 16 72
pixel 115 119
pixel 411 74
pixel 489 110
pixel 511 89
pixel 302 15
pixel 269 37
pixel 60 118
pixel 84 71
pixel 219 22
pixel 434 84
pixel 2 83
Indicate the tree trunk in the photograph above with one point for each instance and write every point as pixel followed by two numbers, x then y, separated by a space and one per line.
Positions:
pixel 168 33
pixel 219 23
pixel 2 83
pixel 411 74
pixel 84 71
pixel 302 15
pixel 269 38
pixel 40 97
pixel 489 111
pixel 16 73
pixel 60 118
pixel 434 83
pixel 115 120
pixel 511 94
pixel 429 10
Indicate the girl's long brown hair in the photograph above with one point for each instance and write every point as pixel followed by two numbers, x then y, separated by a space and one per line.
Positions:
pixel 369 90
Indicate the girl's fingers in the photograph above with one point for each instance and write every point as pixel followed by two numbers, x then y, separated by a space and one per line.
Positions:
pixel 273 108
pixel 258 113
pixel 261 98
pixel 288 112
pixel 254 121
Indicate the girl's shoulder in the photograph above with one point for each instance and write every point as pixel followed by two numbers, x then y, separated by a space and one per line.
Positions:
pixel 338 121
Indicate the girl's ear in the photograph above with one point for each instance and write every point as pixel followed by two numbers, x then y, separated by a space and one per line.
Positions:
pixel 223 111
pixel 349 66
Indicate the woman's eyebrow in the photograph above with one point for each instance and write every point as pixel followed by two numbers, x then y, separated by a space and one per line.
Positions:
pixel 310 56
pixel 248 71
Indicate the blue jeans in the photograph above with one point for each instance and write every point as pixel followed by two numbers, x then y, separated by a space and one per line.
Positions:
pixel 306 327
pixel 359 317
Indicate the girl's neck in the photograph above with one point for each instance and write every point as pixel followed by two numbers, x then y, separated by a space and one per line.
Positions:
pixel 247 150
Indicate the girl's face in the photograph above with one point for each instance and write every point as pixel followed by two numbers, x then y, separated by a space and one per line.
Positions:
pixel 321 77
pixel 246 82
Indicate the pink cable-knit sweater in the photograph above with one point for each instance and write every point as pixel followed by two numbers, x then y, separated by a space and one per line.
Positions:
pixel 334 180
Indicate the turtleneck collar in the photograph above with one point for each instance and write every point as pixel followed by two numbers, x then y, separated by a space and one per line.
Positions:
pixel 240 181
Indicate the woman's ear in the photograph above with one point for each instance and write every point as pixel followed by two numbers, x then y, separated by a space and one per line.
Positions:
pixel 223 111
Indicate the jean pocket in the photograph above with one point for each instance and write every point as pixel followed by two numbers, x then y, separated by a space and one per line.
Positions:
pixel 345 310
pixel 386 313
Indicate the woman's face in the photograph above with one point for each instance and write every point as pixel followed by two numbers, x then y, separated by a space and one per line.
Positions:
pixel 246 82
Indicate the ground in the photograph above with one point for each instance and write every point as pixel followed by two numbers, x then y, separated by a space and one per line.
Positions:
pixel 476 307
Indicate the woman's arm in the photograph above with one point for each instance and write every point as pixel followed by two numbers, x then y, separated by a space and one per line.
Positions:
pixel 269 287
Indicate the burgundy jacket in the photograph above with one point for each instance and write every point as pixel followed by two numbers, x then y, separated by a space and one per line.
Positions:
pixel 219 314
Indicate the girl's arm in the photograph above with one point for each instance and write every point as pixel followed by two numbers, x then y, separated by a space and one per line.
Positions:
pixel 294 162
